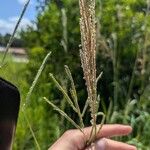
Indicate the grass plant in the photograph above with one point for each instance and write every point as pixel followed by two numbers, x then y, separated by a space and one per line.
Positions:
pixel 88 62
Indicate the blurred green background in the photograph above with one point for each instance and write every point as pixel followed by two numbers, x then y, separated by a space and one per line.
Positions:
pixel 123 55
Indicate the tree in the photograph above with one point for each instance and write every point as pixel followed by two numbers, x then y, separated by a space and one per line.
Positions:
pixel 17 42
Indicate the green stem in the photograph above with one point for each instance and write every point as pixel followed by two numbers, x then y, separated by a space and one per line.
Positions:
pixel 32 132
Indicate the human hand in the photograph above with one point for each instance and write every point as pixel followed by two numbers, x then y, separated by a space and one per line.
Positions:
pixel 75 140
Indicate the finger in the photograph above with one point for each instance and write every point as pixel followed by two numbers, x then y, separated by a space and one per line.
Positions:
pixel 107 144
pixel 110 131
pixel 114 130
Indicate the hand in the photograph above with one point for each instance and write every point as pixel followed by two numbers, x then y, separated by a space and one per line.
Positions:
pixel 75 140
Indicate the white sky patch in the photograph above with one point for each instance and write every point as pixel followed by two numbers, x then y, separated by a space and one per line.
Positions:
pixel 22 1
pixel 7 26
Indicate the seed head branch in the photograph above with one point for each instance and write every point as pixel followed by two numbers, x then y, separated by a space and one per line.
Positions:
pixel 88 51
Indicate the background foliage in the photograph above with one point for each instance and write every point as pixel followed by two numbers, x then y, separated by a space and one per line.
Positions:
pixel 123 54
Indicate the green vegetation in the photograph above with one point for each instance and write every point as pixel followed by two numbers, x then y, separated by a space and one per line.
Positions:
pixel 123 55
pixel 17 42
pixel 13 71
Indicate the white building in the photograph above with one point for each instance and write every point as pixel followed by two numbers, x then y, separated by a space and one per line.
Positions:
pixel 18 54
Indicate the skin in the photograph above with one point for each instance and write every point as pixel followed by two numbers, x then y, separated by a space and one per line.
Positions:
pixel 75 140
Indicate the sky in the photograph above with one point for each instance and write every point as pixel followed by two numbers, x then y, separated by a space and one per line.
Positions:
pixel 10 11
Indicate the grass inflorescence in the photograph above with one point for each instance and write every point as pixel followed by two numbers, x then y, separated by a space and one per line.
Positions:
pixel 88 62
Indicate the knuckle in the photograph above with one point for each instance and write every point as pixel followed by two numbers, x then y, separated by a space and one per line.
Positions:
pixel 69 133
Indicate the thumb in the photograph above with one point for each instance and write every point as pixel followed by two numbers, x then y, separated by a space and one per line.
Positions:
pixel 98 145
pixel 108 144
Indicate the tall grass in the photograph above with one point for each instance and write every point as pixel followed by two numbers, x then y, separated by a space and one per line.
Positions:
pixel 135 106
